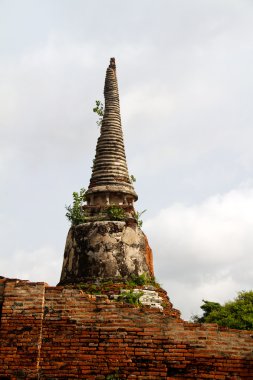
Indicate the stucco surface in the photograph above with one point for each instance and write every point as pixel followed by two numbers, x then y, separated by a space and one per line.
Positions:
pixel 105 249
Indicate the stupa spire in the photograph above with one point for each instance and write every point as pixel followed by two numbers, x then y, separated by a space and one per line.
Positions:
pixel 109 243
pixel 110 182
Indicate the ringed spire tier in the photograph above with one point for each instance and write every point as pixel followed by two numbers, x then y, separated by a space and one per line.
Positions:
pixel 108 243
pixel 110 182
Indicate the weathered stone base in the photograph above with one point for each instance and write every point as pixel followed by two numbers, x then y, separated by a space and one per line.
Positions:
pixel 105 249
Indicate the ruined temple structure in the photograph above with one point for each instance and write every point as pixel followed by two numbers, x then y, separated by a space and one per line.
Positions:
pixel 110 244
pixel 108 319
pixel 110 183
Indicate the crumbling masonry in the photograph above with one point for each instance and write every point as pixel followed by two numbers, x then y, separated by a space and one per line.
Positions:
pixel 85 328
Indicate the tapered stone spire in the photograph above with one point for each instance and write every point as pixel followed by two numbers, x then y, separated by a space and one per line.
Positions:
pixel 109 244
pixel 110 182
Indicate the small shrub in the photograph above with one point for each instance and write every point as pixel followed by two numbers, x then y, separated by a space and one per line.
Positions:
pixel 138 280
pixel 116 213
pixel 143 279
pixel 75 213
pixel 99 110
pixel 137 217
pixel 132 178
pixel 130 297
pixel 90 288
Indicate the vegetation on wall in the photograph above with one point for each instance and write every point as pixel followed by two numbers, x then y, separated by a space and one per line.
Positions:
pixel 141 280
pixel 132 178
pixel 236 314
pixel 138 217
pixel 116 213
pixel 75 213
pixel 119 289
pixel 130 296
pixel 99 110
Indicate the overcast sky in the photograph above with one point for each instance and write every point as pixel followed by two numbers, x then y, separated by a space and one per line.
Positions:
pixel 185 73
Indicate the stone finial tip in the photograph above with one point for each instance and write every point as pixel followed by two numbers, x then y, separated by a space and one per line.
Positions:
pixel 112 63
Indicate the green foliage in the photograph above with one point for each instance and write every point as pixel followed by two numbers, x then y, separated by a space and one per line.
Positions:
pixel 116 213
pixel 132 178
pixel 89 288
pixel 75 213
pixel 143 279
pixel 208 307
pixel 137 217
pixel 131 297
pixel 236 314
pixel 99 110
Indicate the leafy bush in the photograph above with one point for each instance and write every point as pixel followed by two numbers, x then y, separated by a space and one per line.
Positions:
pixel 116 213
pixel 131 297
pixel 236 314
pixel 75 213
pixel 143 279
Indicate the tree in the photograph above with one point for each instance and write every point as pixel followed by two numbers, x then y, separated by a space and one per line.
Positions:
pixel 236 314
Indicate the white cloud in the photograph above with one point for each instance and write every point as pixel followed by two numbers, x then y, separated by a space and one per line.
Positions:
pixel 42 264
pixel 204 250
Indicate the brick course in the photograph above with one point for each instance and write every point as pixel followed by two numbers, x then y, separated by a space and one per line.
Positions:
pixel 65 333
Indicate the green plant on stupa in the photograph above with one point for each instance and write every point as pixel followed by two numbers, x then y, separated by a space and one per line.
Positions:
pixel 75 213
pixel 99 110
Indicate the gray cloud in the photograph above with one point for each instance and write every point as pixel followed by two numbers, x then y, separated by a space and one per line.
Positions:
pixel 185 78
pixel 42 264
pixel 207 247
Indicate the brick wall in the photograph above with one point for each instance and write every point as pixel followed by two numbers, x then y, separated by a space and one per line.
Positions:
pixel 21 325
pixel 2 284
pixel 64 333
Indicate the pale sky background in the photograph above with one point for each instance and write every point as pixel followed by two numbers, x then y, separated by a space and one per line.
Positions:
pixel 185 73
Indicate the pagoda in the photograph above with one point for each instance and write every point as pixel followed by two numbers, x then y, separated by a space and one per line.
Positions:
pixel 110 243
